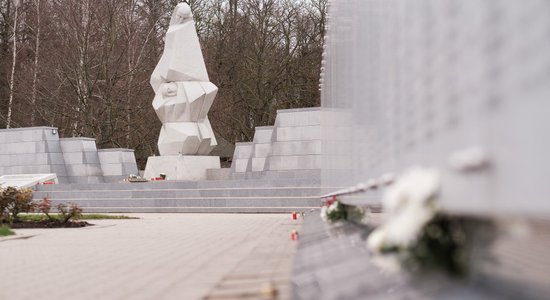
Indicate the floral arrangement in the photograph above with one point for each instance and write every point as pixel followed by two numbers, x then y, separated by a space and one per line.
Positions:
pixel 416 232
pixel 334 210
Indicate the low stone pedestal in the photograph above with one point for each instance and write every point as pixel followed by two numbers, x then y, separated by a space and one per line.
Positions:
pixel 181 167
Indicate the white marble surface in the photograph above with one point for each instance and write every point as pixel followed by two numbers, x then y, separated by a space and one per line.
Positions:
pixel 183 93
pixel 181 167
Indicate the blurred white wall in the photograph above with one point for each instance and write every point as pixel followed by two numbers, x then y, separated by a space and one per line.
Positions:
pixel 462 86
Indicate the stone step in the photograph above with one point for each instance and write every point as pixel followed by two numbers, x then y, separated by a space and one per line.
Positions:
pixel 297 133
pixel 263 134
pixel 294 162
pixel 182 193
pixel 313 175
pixel 313 201
pixel 205 203
pixel 296 148
pixel 159 185
pixel 298 117
pixel 266 210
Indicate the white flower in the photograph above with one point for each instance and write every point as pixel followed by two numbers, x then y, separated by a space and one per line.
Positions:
pixel 409 206
pixel 332 207
pixel 375 242
pixel 323 213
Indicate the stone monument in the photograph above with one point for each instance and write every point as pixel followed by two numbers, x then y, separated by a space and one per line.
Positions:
pixel 183 96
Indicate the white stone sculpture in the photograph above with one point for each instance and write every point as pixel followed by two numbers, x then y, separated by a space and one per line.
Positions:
pixel 183 97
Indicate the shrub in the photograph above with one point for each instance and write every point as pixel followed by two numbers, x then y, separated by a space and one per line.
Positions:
pixel 45 206
pixel 14 201
pixel 5 231
pixel 23 203
pixel 72 212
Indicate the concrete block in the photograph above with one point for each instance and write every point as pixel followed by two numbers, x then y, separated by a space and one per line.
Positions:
pixel 4 160
pixel 34 169
pixel 294 162
pixel 59 170
pixel 262 134
pixel 86 179
pixel 90 157
pixel 298 117
pixel 18 147
pixel 76 170
pixel 83 170
pixel 181 167
pixel 109 157
pixel 129 168
pixel 114 178
pixel 296 147
pixel 53 146
pixel 5 171
pixel 218 174
pixel 112 169
pixel 26 159
pixel 40 147
pixel 50 134
pixel 128 157
pixel 94 170
pixel 78 144
pixel 242 150
pixel 261 150
pixel 88 144
pixel 298 133
pixel 258 164
pixel 239 165
pixel 74 158
pixel 116 155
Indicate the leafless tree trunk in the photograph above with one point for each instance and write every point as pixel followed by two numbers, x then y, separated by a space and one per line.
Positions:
pixel 36 59
pixel 12 76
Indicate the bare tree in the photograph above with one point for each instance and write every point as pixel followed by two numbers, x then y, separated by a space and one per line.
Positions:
pixel 14 61
pixel 263 55
pixel 36 60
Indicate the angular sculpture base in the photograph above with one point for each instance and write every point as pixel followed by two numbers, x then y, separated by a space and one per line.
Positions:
pixel 178 167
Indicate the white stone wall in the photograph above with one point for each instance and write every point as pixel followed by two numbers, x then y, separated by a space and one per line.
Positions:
pixel 426 82
pixel 39 150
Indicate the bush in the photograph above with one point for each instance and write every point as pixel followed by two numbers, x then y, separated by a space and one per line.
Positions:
pixel 5 231
pixel 45 206
pixel 73 212
pixel 14 201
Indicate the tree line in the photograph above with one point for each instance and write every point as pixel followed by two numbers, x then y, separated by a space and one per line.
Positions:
pixel 84 65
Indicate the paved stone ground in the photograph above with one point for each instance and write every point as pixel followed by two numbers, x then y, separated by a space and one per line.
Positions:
pixel 160 256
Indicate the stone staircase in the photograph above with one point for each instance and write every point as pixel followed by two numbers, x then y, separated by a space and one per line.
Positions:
pixel 279 171
pixel 215 196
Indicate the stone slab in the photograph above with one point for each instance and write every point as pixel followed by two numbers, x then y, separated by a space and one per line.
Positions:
pixel 239 165
pixel 163 256
pixel 298 117
pixel 294 162
pixel 218 174
pixel 296 147
pixel 297 133
pixel 262 134
pixel 26 180
pixel 242 150
pixel 185 167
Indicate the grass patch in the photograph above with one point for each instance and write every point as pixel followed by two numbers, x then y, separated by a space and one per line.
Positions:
pixel 105 217
pixel 42 217
pixel 5 231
